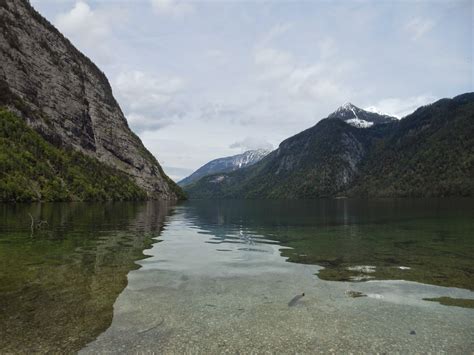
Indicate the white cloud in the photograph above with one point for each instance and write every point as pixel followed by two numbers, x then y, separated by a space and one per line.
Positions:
pixel 55 2
pixel 219 111
pixel 297 90
pixel 275 32
pixel 140 122
pixel 90 29
pixel 251 143
pixel 171 7
pixel 327 48
pixel 276 64
pixel 149 102
pixel 418 27
pixel 81 19
pixel 321 80
pixel 216 55
pixel 144 90
pixel 400 107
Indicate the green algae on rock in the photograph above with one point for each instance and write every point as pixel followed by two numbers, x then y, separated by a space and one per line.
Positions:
pixel 449 301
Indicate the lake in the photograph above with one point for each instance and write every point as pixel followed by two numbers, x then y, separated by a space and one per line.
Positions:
pixel 392 275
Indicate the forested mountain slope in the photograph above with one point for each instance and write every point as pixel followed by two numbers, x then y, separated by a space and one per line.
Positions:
pixel 428 153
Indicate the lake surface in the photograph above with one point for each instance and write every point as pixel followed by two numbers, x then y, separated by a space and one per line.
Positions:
pixel 224 276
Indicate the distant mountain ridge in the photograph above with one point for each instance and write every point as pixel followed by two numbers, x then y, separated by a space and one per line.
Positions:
pixel 226 164
pixel 427 153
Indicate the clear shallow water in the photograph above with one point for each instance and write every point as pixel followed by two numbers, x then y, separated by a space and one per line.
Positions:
pixel 217 276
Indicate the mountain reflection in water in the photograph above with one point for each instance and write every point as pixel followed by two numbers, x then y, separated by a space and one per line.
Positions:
pixel 124 277
pixel 58 286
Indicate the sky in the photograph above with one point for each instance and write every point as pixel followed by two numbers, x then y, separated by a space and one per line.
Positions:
pixel 199 80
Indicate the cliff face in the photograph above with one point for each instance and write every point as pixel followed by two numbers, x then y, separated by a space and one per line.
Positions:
pixel 64 96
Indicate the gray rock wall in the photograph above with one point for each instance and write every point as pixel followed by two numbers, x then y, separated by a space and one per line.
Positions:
pixel 66 98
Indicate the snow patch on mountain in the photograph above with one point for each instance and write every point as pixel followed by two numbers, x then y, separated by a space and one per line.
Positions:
pixel 357 122
pixel 375 110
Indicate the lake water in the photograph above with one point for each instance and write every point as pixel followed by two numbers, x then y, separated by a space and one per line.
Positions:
pixel 224 276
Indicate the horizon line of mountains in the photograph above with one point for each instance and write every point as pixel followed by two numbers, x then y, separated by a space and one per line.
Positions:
pixel 358 153
pixel 348 112
pixel 64 137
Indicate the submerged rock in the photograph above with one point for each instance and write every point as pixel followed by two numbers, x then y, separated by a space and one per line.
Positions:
pixel 355 294
pixel 294 301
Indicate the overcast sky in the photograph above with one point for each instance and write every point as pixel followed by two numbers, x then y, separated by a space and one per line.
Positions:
pixel 205 79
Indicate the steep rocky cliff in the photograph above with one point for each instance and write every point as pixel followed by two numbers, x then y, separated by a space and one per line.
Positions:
pixel 62 95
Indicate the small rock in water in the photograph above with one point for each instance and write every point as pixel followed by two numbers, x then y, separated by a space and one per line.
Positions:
pixel 295 300
pixel 412 332
pixel 355 294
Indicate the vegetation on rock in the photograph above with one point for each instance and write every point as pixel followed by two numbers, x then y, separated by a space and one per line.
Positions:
pixel 32 169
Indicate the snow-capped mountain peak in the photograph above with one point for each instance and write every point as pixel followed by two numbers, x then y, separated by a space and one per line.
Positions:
pixel 358 117
pixel 249 157
pixel 348 106
pixel 227 164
